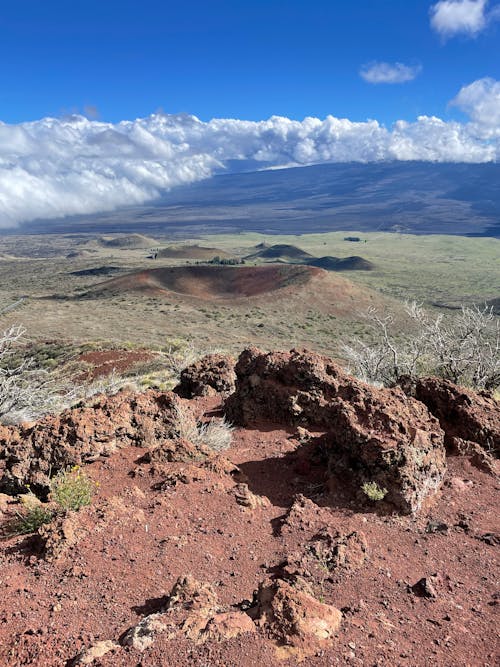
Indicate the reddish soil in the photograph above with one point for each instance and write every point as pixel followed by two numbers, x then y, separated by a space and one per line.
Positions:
pixel 140 535
pixel 212 282
pixel 105 362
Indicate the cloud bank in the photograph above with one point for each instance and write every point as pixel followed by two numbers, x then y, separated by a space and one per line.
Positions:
pixel 389 73
pixel 56 167
pixel 468 17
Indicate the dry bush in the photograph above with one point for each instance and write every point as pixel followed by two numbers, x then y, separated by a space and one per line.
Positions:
pixel 217 434
pixel 464 349
pixel 28 390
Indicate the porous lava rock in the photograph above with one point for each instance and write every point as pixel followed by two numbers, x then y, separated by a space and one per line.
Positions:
pixel 329 552
pixel 31 453
pixel 373 435
pixel 294 617
pixel 465 415
pixel 192 610
pixel 211 375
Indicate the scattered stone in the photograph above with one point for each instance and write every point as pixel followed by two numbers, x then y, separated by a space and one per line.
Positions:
pixel 92 653
pixel 246 498
pixel 227 625
pixel 58 536
pixel 489 538
pixel 303 514
pixel 374 435
pixel 437 527
pixel 192 610
pixel 143 634
pixel 214 374
pixel 424 588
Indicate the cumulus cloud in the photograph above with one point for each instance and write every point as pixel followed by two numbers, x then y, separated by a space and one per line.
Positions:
pixel 56 167
pixel 389 72
pixel 469 17
pixel 481 101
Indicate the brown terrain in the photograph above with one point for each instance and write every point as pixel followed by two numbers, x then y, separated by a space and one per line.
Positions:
pixel 269 552
pixel 191 252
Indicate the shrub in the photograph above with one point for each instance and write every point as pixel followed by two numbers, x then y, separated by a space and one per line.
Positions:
pixel 217 434
pixel 373 491
pixel 34 515
pixel 464 349
pixel 72 489
pixel 28 389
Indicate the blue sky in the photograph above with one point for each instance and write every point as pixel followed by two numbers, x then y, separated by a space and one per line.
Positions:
pixel 239 59
pixel 108 104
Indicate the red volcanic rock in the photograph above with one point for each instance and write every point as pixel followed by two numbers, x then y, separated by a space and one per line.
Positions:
pixel 30 454
pixel 374 435
pixel 214 374
pixel 294 617
pixel 465 415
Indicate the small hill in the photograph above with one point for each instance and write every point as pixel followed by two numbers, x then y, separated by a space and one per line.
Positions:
pixel 330 263
pixel 77 254
pixel 127 241
pixel 281 251
pixel 210 282
pixel 191 252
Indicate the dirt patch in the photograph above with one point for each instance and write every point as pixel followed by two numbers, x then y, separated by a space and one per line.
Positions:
pixel 140 536
pixel 103 363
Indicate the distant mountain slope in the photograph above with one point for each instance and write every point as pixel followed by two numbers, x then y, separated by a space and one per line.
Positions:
pixel 414 197
pixel 280 251
pixel 329 263
pixel 191 252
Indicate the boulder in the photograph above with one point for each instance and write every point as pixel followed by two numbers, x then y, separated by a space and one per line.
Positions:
pixel 294 617
pixel 31 453
pixel 373 435
pixel 466 416
pixel 213 374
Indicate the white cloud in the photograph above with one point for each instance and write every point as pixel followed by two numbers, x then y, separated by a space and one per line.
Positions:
pixel 389 73
pixel 56 167
pixel 481 101
pixel 469 17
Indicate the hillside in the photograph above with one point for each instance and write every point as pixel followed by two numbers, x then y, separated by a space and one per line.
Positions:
pixel 409 197
pixel 191 252
pixel 268 547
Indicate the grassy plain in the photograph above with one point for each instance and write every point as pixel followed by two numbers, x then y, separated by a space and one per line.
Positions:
pixel 37 278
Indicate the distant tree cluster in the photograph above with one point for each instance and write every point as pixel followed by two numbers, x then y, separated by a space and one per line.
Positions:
pixel 223 261
pixel 464 349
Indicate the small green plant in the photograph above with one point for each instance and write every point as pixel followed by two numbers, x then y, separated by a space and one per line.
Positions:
pixel 72 489
pixel 31 517
pixel 373 491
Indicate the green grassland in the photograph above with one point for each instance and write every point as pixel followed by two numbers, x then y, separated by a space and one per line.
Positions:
pixel 440 271
pixel 433 269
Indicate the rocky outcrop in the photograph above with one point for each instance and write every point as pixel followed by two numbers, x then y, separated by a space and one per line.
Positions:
pixel 214 374
pixel 465 416
pixel 373 435
pixel 294 617
pixel 30 454
pixel 192 610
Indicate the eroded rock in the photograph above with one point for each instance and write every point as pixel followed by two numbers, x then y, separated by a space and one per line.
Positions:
pixel 373 435
pixel 465 415
pixel 295 618
pixel 94 652
pixel 214 374
pixel 30 454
